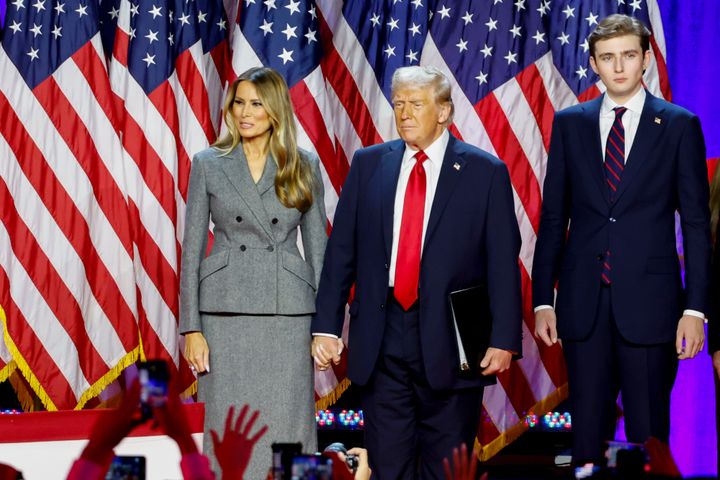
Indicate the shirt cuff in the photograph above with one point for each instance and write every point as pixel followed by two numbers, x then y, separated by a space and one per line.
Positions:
pixel 314 334
pixel 695 313
pixel 542 307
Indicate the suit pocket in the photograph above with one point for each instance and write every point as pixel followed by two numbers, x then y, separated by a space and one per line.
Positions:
pixel 213 263
pixel 662 264
pixel 298 267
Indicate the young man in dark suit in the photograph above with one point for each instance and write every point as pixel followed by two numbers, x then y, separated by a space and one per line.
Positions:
pixel 619 167
pixel 419 218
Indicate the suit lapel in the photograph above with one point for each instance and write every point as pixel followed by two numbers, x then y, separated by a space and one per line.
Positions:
pixel 237 171
pixel 390 171
pixel 590 133
pixel 450 172
pixel 649 132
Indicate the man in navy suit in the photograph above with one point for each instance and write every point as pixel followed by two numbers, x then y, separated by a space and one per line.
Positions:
pixel 619 167
pixel 419 218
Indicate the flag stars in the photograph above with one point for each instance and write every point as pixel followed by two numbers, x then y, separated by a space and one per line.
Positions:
pixel 184 19
pixel 171 15
pixel 293 7
pixel 39 5
pixel 621 2
pixel 202 17
pixel 544 8
pixel 270 4
pixel 417 4
pixel 286 56
pixel 564 38
pixel 36 30
pixel 415 29
pixel 33 54
pixel 57 32
pixel 131 33
pixel 81 10
pixel 152 36
pixel 311 36
pixel 511 57
pixel 581 72
pixel 462 45
pixel 444 12
pixel 412 56
pixel 289 32
pixel 585 45
pixel 222 25
pixel 486 51
pixel 312 12
pixel 15 27
pixel 393 24
pixel 539 37
pixel 569 12
pixel 636 5
pixel 515 31
pixel 171 39
pixel 467 18
pixel 481 78
pixel 155 12
pixel 248 2
pixel 114 13
pixel 591 19
pixel 149 60
pixel 18 4
pixel 389 51
pixel 520 5
pixel 375 19
pixel 491 24
pixel 134 9
pixel 266 27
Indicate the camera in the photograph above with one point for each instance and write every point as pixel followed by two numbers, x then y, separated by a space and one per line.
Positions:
pixel 351 461
pixel 153 376
pixel 126 468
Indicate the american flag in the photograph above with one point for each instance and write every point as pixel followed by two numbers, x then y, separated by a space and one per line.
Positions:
pixel 512 63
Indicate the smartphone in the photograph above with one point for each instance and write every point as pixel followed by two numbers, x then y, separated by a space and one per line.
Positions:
pixel 311 467
pixel 153 376
pixel 283 454
pixel 126 468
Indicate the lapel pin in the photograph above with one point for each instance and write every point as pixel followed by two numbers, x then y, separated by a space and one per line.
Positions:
pixel 456 166
pixel 658 120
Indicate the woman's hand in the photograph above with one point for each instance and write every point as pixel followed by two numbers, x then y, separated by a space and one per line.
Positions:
pixel 197 352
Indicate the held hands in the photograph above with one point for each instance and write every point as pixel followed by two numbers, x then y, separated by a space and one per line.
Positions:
pixel 325 350
pixel 546 326
pixel 495 361
pixel 691 333
pixel 197 352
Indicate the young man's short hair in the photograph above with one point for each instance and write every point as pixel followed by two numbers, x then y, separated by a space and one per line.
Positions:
pixel 618 25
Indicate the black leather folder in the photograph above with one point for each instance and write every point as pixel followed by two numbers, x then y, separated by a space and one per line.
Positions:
pixel 471 313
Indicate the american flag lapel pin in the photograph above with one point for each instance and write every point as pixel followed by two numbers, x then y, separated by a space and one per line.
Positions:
pixel 658 120
pixel 456 166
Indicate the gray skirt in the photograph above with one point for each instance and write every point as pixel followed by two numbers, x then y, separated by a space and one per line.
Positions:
pixel 263 361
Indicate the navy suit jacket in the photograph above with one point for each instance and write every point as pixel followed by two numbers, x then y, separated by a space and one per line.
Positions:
pixel 665 172
pixel 472 237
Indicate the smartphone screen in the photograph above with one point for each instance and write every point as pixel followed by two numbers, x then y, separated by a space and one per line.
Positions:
pixel 126 468
pixel 311 467
pixel 153 377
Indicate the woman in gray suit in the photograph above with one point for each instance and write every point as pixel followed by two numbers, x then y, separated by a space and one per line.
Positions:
pixel 245 308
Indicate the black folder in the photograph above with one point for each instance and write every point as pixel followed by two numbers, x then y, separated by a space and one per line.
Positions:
pixel 470 309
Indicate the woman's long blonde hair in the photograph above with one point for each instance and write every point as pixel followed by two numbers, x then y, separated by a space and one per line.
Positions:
pixel 294 178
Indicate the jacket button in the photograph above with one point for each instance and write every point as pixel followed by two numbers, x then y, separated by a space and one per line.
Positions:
pixel 242 248
pixel 600 257
pixel 238 218
pixel 382 306
pixel 387 267
pixel 612 220
pixel 274 221
pixel 270 248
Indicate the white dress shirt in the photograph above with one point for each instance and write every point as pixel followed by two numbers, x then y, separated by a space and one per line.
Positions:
pixel 435 153
pixel 630 121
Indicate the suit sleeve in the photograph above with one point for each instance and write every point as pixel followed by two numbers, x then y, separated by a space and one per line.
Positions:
pixel 314 222
pixel 693 197
pixel 338 272
pixel 553 222
pixel 502 250
pixel 197 218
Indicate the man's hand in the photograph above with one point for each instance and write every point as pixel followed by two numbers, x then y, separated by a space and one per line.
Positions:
pixel 716 363
pixel 546 326
pixel 325 350
pixel 495 361
pixel 691 333
pixel 363 471
pixel 197 352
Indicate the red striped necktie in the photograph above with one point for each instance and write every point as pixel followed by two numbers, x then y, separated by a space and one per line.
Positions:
pixel 614 167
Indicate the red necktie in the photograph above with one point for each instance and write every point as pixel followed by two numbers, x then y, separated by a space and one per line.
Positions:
pixel 614 167
pixel 407 263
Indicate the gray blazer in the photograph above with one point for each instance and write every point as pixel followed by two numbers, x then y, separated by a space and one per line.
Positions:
pixel 255 266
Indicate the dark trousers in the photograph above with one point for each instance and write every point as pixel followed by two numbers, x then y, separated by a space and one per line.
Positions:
pixel 603 363
pixel 409 427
